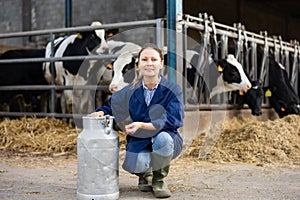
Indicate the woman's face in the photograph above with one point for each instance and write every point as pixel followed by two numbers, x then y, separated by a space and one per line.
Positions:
pixel 150 62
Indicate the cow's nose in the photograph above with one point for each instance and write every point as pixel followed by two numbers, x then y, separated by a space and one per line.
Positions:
pixel 248 87
pixel 113 88
pixel 103 50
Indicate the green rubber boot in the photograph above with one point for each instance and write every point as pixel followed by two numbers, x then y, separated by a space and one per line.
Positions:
pixel 160 188
pixel 145 181
pixel 160 167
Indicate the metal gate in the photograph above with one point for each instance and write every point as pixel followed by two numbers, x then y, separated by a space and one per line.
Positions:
pixel 219 39
pixel 212 35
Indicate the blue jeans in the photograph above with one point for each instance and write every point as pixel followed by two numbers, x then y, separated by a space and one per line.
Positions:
pixel 162 144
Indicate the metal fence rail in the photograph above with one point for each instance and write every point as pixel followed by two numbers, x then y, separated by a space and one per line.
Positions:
pixel 245 43
pixel 209 32
pixel 157 23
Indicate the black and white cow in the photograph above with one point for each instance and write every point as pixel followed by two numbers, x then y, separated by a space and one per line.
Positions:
pixel 231 78
pixel 23 73
pixel 253 98
pixel 88 99
pixel 66 72
pixel 120 47
pixel 282 95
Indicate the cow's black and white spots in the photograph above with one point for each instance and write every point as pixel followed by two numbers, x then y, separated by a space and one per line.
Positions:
pixel 66 72
pixel 124 72
pixel 119 47
pixel 101 74
pixel 253 98
pixel 230 76
pixel 282 95
pixel 126 51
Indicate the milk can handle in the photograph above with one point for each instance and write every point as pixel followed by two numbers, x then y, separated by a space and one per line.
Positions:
pixel 106 124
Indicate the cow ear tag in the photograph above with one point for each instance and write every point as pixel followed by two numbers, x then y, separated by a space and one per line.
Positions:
pixel 282 109
pixel 109 66
pixel 241 92
pixel 110 35
pixel 268 93
pixel 220 69
pixel 79 36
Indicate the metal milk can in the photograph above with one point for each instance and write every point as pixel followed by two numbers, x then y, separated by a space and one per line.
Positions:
pixel 98 160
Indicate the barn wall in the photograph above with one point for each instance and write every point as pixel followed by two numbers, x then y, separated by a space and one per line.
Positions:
pixel 293 29
pixel 11 19
pixel 255 20
pixel 25 15
pixel 16 15
pixel 224 11
pixel 111 11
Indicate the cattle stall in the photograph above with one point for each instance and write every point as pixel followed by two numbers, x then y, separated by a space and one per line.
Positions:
pixel 250 49
pixel 153 26
pixel 201 34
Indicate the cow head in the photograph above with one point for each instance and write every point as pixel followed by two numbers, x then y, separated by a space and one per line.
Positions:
pixel 124 72
pixel 233 74
pixel 98 40
pixel 282 105
pixel 253 98
pixel 282 95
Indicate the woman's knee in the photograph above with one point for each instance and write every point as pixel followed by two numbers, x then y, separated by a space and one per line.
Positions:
pixel 137 162
pixel 163 144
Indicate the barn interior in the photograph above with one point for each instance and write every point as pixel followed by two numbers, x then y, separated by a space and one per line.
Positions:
pixel 279 18
pixel 39 154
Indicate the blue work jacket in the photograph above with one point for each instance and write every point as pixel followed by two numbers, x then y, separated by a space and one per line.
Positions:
pixel 165 112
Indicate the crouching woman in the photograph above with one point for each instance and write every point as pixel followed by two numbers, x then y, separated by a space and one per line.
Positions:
pixel 150 110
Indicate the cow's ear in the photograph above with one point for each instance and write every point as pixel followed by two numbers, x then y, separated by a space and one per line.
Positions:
pixel 109 66
pixel 220 65
pixel 220 69
pixel 79 36
pixel 85 34
pixel 111 32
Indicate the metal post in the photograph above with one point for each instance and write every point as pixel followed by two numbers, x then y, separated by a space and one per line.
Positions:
pixel 174 11
pixel 68 13
pixel 159 33
pixel 295 68
pixel 185 63
pixel 53 91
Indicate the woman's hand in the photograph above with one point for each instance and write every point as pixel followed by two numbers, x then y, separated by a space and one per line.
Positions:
pixel 97 114
pixel 133 127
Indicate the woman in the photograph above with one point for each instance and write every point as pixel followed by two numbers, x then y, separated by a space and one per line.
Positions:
pixel 150 110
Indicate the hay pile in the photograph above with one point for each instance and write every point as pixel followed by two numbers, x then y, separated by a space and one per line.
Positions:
pixel 37 135
pixel 249 141
pixel 239 139
pixel 41 136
